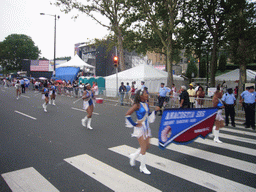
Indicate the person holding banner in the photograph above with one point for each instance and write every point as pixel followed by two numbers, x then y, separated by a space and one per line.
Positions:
pixel 141 128
pixel 88 105
pixel 219 120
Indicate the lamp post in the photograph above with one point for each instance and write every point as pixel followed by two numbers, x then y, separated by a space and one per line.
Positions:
pixel 54 55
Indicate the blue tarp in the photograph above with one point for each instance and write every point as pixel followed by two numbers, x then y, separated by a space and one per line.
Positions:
pixel 67 73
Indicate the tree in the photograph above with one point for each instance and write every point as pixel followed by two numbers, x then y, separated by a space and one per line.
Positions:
pixel 222 62
pixel 192 69
pixel 17 47
pixel 241 35
pixel 156 20
pixel 202 68
pixel 113 10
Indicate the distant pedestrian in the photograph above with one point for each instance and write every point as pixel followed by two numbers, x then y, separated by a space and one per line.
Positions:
pixel 127 93
pixel 229 101
pixel 184 98
pixel 249 98
pixel 88 105
pixel 122 90
pixel 141 130
pixel 52 94
pixel 142 85
pixel 132 93
pixel 22 82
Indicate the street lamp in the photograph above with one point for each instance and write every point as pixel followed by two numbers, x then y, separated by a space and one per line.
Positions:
pixel 54 56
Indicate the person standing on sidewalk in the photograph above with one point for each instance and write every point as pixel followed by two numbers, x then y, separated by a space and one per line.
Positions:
pixel 161 96
pixel 249 98
pixel 192 95
pixel 17 86
pixel 22 82
pixel 141 130
pixel 229 101
pixel 184 98
pixel 122 90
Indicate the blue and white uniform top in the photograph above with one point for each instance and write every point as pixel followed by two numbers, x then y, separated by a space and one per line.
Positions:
pixel 88 99
pixel 249 97
pixel 53 89
pixel 219 112
pixel 144 117
pixel 229 98
pixel 46 92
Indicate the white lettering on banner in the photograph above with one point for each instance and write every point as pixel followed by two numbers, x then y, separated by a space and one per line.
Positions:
pixel 169 122
pixel 192 120
pixel 179 115
pixel 201 130
pixel 182 121
pixel 200 114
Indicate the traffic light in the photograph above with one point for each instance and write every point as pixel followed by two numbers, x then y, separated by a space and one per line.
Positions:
pixel 115 59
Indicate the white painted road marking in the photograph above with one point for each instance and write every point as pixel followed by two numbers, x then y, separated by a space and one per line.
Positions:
pixel 27 179
pixel 107 175
pixel 213 157
pixel 83 110
pixel 24 96
pixel 25 115
pixel 191 174
pixel 77 100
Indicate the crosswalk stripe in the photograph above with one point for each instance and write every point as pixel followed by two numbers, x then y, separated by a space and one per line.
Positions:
pixel 236 138
pixel 224 145
pixel 213 157
pixel 27 179
pixel 238 131
pixel 107 175
pixel 199 177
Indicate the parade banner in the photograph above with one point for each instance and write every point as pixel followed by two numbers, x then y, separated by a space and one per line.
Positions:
pixel 182 126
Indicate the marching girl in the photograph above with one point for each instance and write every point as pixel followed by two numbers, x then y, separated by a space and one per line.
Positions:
pixel 219 120
pixel 88 105
pixel 52 94
pixel 45 96
pixel 17 86
pixel 141 128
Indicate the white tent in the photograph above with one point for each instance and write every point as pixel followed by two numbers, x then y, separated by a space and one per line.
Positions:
pixel 76 61
pixel 151 76
pixel 235 74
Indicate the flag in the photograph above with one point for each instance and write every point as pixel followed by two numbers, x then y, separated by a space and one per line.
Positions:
pixel 182 126
pixel 39 65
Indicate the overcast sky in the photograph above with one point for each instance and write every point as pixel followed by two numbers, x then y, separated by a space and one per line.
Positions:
pixel 23 17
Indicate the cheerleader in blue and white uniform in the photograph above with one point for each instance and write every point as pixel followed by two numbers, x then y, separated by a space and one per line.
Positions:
pixel 88 105
pixel 52 94
pixel 45 96
pixel 219 120
pixel 141 128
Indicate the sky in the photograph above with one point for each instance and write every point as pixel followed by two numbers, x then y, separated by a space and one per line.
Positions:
pixel 23 17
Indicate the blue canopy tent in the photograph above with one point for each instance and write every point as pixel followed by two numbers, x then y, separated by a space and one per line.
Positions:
pixel 67 73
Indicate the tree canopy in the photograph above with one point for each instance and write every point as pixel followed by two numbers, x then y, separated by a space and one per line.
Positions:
pixel 15 48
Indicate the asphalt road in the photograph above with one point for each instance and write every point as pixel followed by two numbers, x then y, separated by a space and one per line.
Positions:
pixel 53 146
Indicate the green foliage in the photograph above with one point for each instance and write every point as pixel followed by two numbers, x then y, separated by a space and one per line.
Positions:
pixel 202 68
pixel 222 62
pixel 63 58
pixel 192 69
pixel 15 48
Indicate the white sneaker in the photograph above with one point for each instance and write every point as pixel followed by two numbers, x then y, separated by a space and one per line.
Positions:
pixel 45 110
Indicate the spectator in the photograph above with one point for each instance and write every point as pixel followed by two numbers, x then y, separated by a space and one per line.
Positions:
pixel 161 96
pixel 127 93
pixel 122 90
pixel 200 97
pixel 132 92
pixel 192 94
pixel 229 101
pixel 184 98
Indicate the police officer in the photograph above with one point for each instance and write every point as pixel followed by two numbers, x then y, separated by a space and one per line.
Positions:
pixel 161 96
pixel 229 101
pixel 249 97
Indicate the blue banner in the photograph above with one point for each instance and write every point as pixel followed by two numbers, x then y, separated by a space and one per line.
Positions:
pixel 182 126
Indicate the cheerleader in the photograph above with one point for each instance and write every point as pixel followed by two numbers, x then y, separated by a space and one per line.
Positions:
pixel 17 86
pixel 45 96
pixel 52 94
pixel 141 128
pixel 219 120
pixel 88 105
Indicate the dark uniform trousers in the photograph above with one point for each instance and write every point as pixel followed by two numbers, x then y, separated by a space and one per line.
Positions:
pixel 249 114
pixel 161 103
pixel 230 111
